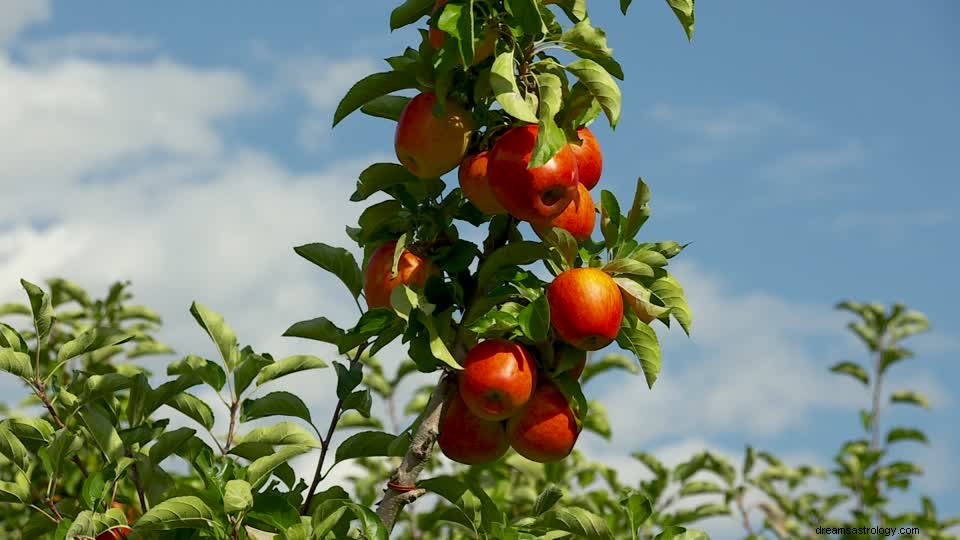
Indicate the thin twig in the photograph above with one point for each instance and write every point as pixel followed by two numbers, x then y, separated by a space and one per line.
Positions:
pixel 744 515
pixel 40 389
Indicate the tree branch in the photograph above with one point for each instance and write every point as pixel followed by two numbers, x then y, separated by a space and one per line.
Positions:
pixel 40 389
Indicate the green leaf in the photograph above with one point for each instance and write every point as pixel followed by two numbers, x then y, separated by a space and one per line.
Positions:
pixel 515 253
pixel 289 365
pixel 637 299
pixel 609 219
pixel 565 245
pixel 11 339
pixel 607 363
pixel 101 386
pixel 668 289
pixel 700 488
pixel 348 378
pixel 63 445
pixel 319 329
pixel 372 323
pixel 209 372
pixel 534 320
pixel 853 370
pixel 906 434
pixel 637 337
pixel 579 522
pixel 639 511
pixel 275 404
pixel 237 497
pixel 370 88
pixel 629 267
pixel 575 9
pixel 366 444
pixel 353 420
pixel 34 433
pixel 194 408
pixel 187 512
pixel 410 12
pixel 168 443
pixel 41 308
pixel 219 332
pixel 260 470
pixel 250 366
pixel 457 21
pixel 580 108
pixel 13 449
pixel 17 491
pixel 102 431
pixel 601 85
pixel 572 390
pixel 91 340
pixel 15 362
pixel 360 401
pixel 910 398
pixel 382 177
pixel 588 42
pixel 387 107
pixel 281 434
pixel 447 487
pixel 547 499
pixel 597 420
pixel 338 261
pixel 527 14
pixel 329 513
pixel 639 210
pixel 437 346
pixel 505 90
pixel 749 459
pixel 683 9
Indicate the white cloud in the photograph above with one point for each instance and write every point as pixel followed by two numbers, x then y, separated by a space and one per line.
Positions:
pixel 15 15
pixel 85 45
pixel 722 123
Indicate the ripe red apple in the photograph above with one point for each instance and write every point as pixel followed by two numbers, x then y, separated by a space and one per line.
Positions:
pixel 565 355
pixel 466 438
pixel 431 146
pixel 377 281
pixel 476 184
pixel 589 158
pixel 117 533
pixel 586 308
pixel 498 379
pixel 546 429
pixel 481 50
pixel 535 194
pixel 578 219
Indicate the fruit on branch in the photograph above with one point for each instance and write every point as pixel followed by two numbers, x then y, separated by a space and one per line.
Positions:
pixel 378 281
pixel 481 50
pixel 117 533
pixel 589 158
pixel 579 218
pixel 536 194
pixel 466 438
pixel 586 308
pixel 432 145
pixel 546 429
pixel 476 184
pixel 498 379
pixel 568 357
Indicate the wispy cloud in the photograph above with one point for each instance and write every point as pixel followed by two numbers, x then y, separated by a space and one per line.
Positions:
pixel 725 123
pixel 15 15
pixel 87 45
pixel 803 165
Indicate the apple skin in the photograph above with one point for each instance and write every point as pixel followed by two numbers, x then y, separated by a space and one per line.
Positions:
pixel 578 219
pixel 466 438
pixel 498 379
pixel 589 158
pixel 586 308
pixel 377 284
pixel 546 429
pixel 430 146
pixel 476 184
pixel 537 194
pixel 481 51
pixel 564 354
pixel 117 533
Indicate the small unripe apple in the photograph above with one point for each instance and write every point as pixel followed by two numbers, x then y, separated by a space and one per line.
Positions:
pixel 536 194
pixel 476 184
pixel 466 438
pixel 589 158
pixel 377 281
pixel 546 429
pixel 586 308
pixel 578 219
pixel 428 145
pixel 498 378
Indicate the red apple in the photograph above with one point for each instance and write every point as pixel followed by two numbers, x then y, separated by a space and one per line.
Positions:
pixel 578 219
pixel 589 158
pixel 377 281
pixel 536 194
pixel 476 184
pixel 498 378
pixel 586 308
pixel 546 429
pixel 466 438
pixel 428 145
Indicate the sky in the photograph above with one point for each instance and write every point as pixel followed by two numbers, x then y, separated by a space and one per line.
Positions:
pixel 805 149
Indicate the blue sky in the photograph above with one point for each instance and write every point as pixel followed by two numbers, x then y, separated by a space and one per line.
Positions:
pixel 806 149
